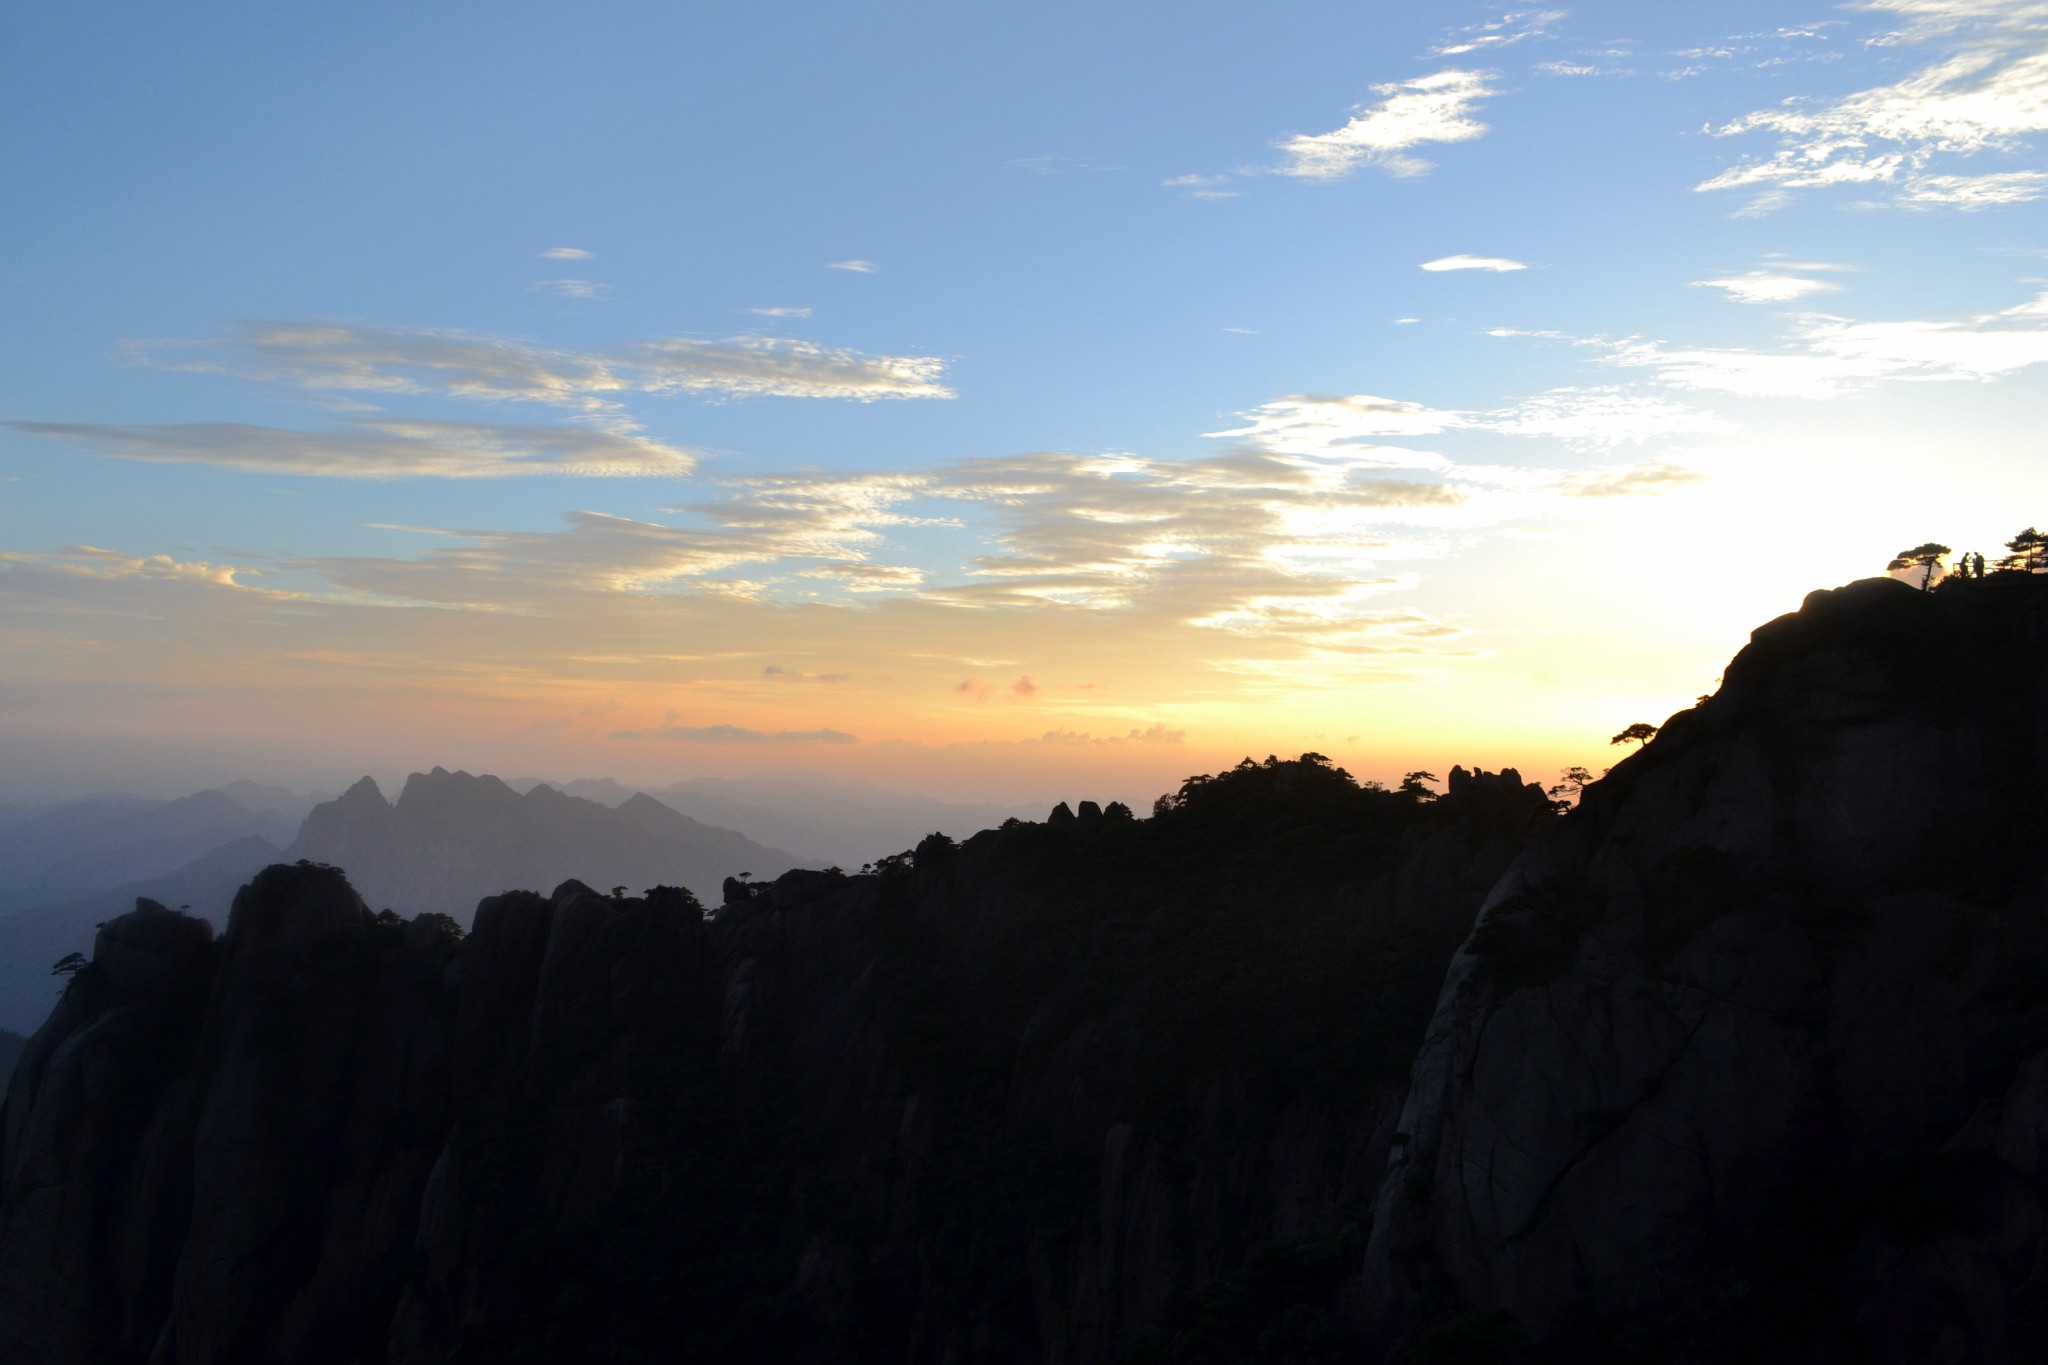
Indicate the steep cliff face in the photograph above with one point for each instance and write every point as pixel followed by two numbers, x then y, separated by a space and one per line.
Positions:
pixel 1002 1101
pixel 1744 1061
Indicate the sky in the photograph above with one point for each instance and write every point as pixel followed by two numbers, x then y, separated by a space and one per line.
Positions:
pixel 1001 402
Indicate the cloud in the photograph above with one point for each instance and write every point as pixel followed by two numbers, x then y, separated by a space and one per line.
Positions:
pixel 1344 429
pixel 388 449
pixel 975 688
pixel 1203 186
pixel 1828 356
pixel 1505 31
pixel 1656 476
pixel 571 289
pixel 1301 424
pixel 857 267
pixel 92 562
pixel 777 673
pixel 1494 263
pixel 1768 286
pixel 1988 93
pixel 1434 108
pixel 1026 686
pixel 780 312
pixel 361 358
pixel 1567 69
pixel 1051 163
pixel 567 253
pixel 1976 191
pixel 860 577
pixel 735 734
pixel 785 368
pixel 1599 418
pixel 1151 734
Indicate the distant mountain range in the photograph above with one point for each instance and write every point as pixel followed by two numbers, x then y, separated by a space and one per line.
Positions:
pixel 839 823
pixel 449 840
pixel 83 847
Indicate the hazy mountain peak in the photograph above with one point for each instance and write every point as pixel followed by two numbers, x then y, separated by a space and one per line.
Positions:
pixel 364 792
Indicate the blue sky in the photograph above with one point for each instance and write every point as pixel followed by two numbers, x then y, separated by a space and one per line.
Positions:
pixel 969 397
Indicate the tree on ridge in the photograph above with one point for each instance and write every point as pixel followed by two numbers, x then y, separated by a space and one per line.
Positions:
pixel 1640 733
pixel 1926 558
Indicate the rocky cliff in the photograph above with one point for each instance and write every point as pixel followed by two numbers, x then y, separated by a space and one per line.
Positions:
pixel 1745 1061
pixel 1000 1101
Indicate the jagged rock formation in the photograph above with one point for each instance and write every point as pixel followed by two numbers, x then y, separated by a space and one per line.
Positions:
pixel 1002 1103
pixel 451 839
pixel 1746 1061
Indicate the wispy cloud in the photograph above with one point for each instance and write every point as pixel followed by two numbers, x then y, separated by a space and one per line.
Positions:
pixel 1656 476
pixel 737 734
pixel 1505 31
pixel 1411 113
pixel 857 267
pixel 1976 191
pixel 1769 286
pixel 1599 418
pixel 1052 163
pixel 785 368
pixel 388 449
pixel 1498 264
pixel 1987 94
pixel 1350 426
pixel 363 358
pixel 567 253
pixel 780 312
pixel 1203 186
pixel 1826 356
pixel 571 289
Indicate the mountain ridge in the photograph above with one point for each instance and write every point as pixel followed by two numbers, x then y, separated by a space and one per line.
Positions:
pixel 1746 1057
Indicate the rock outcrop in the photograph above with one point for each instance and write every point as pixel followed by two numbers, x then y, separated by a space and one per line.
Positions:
pixel 1745 1061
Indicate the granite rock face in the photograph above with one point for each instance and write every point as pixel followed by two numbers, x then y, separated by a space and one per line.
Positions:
pixel 1745 1059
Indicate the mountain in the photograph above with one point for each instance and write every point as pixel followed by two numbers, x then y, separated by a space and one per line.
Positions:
pixel 1743 1059
pixel 1750 1060
pixel 452 838
pixel 847 824
pixel 102 842
pixel 833 1119
pixel 31 941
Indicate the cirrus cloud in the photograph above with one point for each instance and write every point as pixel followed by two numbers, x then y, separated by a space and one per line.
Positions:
pixel 1412 113
pixel 388 449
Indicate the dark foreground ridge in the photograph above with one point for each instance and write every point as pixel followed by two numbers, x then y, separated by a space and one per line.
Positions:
pixel 1743 1060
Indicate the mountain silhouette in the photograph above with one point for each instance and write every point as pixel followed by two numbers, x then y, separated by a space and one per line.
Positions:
pixel 452 838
